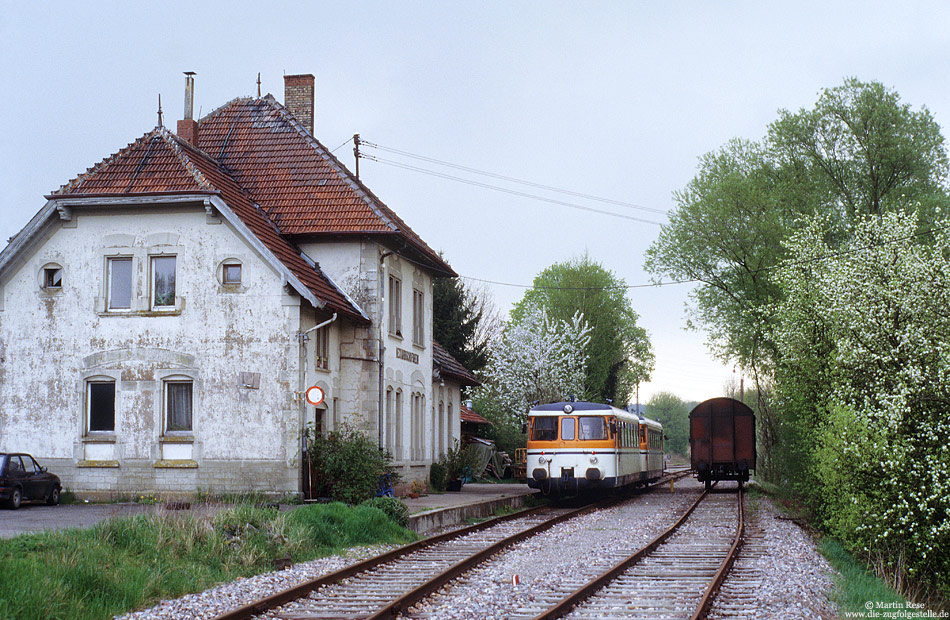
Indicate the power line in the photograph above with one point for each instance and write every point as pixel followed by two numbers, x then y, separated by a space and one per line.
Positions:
pixel 783 263
pixel 341 146
pixel 450 177
pixel 511 179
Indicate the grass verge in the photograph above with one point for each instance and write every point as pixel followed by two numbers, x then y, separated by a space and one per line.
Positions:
pixel 130 563
pixel 854 585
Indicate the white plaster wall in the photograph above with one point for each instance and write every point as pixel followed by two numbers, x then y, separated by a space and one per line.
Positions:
pixel 50 342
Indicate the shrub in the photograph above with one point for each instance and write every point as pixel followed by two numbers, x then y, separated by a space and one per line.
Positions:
pixel 459 462
pixel 347 464
pixel 394 509
pixel 437 476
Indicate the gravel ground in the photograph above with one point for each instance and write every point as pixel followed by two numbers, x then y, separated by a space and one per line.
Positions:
pixel 557 559
pixel 793 577
pixel 779 573
pixel 217 600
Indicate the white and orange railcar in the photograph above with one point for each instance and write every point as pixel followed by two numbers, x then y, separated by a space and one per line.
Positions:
pixel 580 446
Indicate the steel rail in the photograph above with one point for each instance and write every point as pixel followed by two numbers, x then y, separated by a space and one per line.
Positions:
pixel 575 598
pixel 408 599
pixel 706 603
pixel 303 589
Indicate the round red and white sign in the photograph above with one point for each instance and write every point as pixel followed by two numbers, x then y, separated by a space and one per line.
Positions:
pixel 314 395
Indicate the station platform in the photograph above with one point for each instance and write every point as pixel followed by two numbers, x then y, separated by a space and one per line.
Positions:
pixel 475 500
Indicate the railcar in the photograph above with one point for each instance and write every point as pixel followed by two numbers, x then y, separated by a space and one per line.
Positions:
pixel 722 440
pixel 580 446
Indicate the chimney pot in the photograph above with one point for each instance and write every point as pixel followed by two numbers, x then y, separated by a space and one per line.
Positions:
pixel 298 98
pixel 188 127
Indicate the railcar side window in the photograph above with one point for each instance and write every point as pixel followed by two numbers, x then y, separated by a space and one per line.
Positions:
pixel 592 427
pixel 567 429
pixel 544 429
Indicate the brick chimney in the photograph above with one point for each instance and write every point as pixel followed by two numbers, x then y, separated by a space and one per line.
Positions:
pixel 298 98
pixel 188 127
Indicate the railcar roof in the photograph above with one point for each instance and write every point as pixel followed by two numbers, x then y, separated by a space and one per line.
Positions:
pixel 578 406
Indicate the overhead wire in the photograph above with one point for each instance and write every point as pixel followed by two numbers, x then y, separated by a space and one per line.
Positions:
pixel 497 188
pixel 783 263
pixel 511 179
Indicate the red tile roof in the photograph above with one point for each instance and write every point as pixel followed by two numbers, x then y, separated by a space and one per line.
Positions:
pixel 468 415
pixel 161 163
pixel 303 188
pixel 448 366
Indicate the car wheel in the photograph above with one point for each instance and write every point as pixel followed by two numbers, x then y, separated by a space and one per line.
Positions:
pixel 16 497
pixel 53 498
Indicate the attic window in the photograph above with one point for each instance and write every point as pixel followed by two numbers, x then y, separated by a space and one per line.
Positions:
pixel 53 277
pixel 231 274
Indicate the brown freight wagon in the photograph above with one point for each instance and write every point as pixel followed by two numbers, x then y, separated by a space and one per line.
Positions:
pixel 722 440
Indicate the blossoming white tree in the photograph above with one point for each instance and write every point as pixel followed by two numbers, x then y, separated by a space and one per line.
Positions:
pixel 535 359
pixel 865 331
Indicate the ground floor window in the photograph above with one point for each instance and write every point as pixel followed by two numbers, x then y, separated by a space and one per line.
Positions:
pixel 100 401
pixel 178 406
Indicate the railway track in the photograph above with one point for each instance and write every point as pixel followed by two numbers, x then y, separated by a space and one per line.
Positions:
pixel 677 575
pixel 384 586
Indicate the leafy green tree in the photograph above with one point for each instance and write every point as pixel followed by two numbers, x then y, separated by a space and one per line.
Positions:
pixel 858 151
pixel 673 413
pixel 619 354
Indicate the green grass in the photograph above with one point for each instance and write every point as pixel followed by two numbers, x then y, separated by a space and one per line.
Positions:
pixel 130 563
pixel 854 585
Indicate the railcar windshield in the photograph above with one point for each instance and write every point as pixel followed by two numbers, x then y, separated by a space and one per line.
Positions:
pixel 544 429
pixel 567 429
pixel 592 427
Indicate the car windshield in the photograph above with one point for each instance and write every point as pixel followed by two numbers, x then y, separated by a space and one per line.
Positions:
pixel 593 427
pixel 544 429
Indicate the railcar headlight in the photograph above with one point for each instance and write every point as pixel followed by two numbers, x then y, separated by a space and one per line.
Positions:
pixel 593 459
pixel 542 460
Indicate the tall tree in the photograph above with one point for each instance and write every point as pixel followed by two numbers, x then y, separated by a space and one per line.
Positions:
pixel 620 355
pixel 463 322
pixel 858 151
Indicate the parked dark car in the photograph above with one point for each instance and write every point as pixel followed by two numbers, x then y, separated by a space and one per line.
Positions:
pixel 22 479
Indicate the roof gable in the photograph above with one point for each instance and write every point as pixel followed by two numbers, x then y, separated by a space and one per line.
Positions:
pixel 161 163
pixel 303 188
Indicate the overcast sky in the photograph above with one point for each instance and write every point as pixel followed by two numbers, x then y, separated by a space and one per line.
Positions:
pixel 612 99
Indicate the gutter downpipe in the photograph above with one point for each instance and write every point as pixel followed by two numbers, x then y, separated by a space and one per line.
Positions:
pixel 301 378
pixel 382 348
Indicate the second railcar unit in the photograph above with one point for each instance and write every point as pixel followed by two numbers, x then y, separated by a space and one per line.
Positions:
pixel 722 440
pixel 581 446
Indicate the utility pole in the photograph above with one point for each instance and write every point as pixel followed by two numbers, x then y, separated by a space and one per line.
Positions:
pixel 356 152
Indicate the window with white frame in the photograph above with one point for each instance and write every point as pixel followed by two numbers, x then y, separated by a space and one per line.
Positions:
pixel 418 421
pixel 120 283
pixel 163 281
pixel 390 424
pixel 395 306
pixel 397 439
pixel 100 406
pixel 321 348
pixel 418 317
pixel 179 406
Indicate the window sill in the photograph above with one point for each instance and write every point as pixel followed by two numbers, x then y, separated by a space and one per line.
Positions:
pixel 140 313
pixel 176 464
pixel 98 464
pixel 99 439
pixel 231 289
pixel 177 439
pixel 395 336
pixel 421 347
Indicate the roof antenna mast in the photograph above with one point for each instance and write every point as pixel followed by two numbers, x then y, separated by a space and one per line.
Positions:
pixel 160 110
pixel 258 85
pixel 356 152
